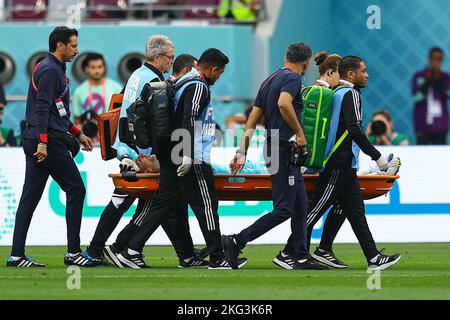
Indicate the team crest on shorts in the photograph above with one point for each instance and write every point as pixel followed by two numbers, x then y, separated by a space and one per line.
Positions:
pixel 291 180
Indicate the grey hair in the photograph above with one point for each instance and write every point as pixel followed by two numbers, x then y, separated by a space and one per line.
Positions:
pixel 298 52
pixel 157 45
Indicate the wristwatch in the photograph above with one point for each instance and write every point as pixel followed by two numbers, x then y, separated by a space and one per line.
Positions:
pixel 239 151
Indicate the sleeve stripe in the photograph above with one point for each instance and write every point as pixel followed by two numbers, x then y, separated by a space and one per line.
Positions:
pixel 356 105
pixel 196 102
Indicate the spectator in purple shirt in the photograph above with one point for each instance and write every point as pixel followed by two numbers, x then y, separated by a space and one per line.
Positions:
pixel 431 90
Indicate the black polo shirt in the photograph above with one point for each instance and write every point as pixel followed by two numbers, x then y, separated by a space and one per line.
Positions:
pixel 284 80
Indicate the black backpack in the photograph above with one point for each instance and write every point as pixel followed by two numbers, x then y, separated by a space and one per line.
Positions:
pixel 150 117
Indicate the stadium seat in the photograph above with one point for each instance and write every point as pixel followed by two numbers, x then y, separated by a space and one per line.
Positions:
pixel 106 10
pixel 2 9
pixel 198 10
pixel 31 10
pixel 57 9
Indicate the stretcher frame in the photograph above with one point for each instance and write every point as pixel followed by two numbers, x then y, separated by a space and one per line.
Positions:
pixel 244 187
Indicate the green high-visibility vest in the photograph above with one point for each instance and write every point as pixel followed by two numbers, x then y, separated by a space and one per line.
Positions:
pixel 238 10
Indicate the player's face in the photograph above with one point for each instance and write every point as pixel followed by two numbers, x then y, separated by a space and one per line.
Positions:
pixel 70 50
pixel 96 69
pixel 361 76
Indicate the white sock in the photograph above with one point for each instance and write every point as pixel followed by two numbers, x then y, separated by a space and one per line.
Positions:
pixel 284 255
pixel 302 261
pixel 73 254
pixel 132 252
pixel 374 259
pixel 16 258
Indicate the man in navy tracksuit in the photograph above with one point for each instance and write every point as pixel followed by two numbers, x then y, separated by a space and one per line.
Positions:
pixel 48 121
pixel 279 100
pixel 193 179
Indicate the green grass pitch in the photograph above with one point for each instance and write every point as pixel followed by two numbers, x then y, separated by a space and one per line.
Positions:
pixel 422 273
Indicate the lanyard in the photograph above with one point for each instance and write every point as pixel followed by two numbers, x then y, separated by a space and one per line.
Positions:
pixel 36 88
pixel 103 92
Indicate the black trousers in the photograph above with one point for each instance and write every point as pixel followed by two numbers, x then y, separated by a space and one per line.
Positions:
pixel 333 223
pixel 198 188
pixel 431 139
pixel 341 186
pixel 62 168
pixel 289 201
pixel 119 204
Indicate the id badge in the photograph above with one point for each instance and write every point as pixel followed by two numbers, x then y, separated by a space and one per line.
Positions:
pixel 60 106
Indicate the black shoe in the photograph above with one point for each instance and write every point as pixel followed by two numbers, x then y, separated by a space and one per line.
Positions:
pixel 223 264
pixel 24 262
pixel 383 261
pixel 328 258
pixel 309 264
pixel 231 250
pixel 81 259
pixel 193 262
pixel 135 261
pixel 99 257
pixel 201 253
pixel 111 252
pixel 286 261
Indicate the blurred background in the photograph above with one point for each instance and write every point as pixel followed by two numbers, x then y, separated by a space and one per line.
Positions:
pixel 393 37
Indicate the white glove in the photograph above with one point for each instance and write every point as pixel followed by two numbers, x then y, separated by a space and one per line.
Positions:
pixel 185 166
pixel 126 164
pixel 382 163
pixel 394 166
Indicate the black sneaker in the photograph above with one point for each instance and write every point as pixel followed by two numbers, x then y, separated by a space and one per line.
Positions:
pixel 134 261
pixel 111 252
pixel 223 264
pixel 231 250
pixel 193 262
pixel 383 261
pixel 284 261
pixel 201 253
pixel 328 258
pixel 309 264
pixel 81 259
pixel 24 262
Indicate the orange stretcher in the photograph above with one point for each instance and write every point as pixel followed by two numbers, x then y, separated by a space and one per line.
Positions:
pixel 244 186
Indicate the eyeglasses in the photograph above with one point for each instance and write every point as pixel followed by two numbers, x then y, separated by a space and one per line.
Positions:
pixel 168 57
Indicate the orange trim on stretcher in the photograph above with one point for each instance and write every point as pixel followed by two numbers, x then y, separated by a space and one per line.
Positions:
pixel 257 187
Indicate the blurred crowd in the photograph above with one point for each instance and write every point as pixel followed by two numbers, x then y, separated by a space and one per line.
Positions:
pixel 430 95
pixel 245 11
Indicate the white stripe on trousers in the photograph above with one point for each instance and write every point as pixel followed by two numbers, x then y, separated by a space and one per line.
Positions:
pixel 206 198
pixel 325 196
pixel 143 213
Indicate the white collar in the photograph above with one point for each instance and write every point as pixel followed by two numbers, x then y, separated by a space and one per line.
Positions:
pixel 323 83
pixel 347 83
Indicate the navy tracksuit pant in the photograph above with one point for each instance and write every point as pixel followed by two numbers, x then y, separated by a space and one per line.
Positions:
pixel 289 201
pixel 61 167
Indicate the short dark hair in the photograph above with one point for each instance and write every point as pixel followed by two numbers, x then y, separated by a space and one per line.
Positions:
pixel 384 113
pixel 298 52
pixel 92 56
pixel 435 49
pixel 183 61
pixel 349 63
pixel 60 34
pixel 213 57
